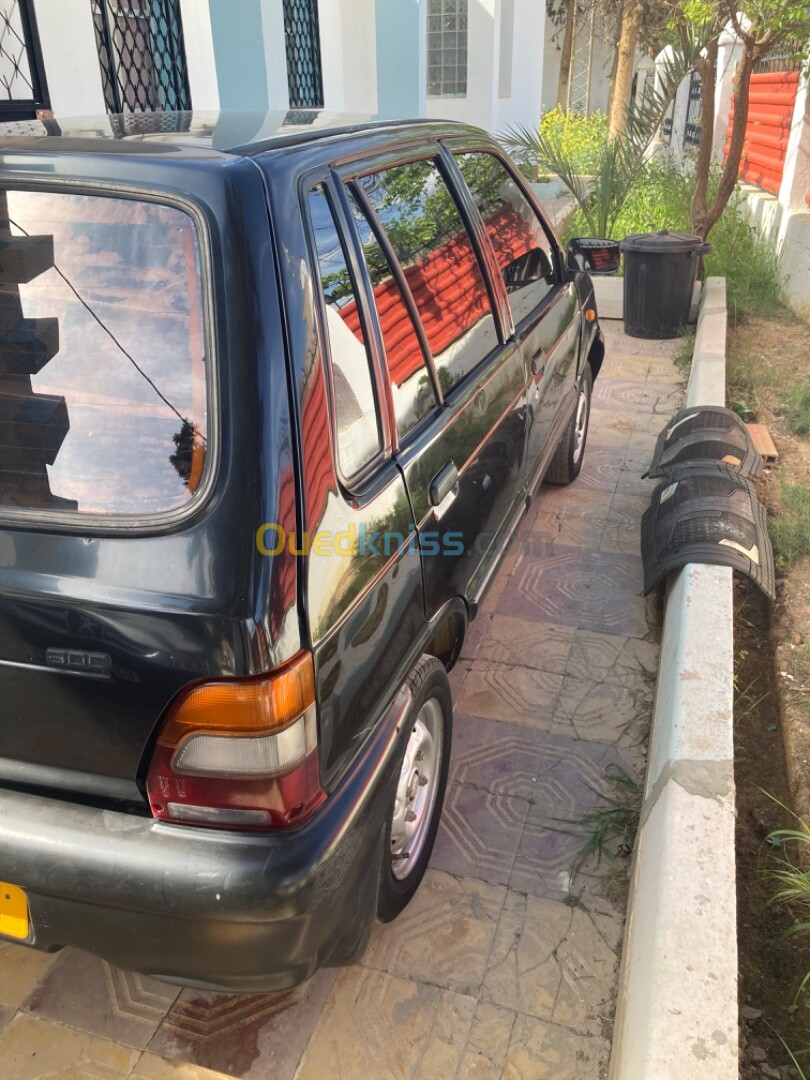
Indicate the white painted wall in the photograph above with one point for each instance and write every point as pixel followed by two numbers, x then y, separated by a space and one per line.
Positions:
pixel 199 45
pixel 275 55
pixel 505 48
pixel 525 53
pixel 348 55
pixel 70 57
pixel 478 106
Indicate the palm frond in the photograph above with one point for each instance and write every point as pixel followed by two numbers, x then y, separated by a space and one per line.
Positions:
pixel 621 161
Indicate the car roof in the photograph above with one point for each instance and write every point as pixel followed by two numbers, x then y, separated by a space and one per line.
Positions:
pixel 230 132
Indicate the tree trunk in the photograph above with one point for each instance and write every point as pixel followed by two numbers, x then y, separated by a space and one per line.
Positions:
pixel 626 55
pixel 707 69
pixel 728 179
pixel 615 64
pixel 566 55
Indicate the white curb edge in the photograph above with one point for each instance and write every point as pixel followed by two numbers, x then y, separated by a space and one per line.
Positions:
pixel 676 1014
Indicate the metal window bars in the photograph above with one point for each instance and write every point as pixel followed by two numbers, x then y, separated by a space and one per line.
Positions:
pixel 23 89
pixel 303 47
pixel 694 110
pixel 141 55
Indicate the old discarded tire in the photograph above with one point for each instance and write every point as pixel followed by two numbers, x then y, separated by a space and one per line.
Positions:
pixel 568 457
pixel 416 806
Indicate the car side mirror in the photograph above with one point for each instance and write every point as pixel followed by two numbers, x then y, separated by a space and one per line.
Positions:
pixel 592 255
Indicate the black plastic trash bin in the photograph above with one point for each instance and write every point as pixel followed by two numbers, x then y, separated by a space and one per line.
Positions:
pixel 659 277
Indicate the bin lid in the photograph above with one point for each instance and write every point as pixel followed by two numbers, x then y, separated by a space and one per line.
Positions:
pixel 664 241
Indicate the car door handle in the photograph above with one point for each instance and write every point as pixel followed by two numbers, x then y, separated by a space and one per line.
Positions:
pixel 538 364
pixel 443 483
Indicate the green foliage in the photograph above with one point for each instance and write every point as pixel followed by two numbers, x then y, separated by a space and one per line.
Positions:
pixel 789 871
pixel 790 529
pixel 618 163
pixel 660 199
pixel 797 410
pixel 580 138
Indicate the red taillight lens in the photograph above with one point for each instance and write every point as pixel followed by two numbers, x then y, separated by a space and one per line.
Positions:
pixel 240 753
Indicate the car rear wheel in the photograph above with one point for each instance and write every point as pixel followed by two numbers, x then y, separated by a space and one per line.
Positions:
pixel 568 457
pixel 416 807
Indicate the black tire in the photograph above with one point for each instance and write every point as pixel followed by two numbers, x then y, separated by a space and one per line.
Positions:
pixel 430 687
pixel 567 461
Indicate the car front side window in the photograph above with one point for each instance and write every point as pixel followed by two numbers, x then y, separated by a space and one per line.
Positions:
pixel 522 248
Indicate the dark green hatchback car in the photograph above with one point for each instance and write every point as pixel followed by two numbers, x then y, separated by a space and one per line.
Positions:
pixel 270 410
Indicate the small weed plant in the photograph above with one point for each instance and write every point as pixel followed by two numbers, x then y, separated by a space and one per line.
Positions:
pixel 790 529
pixel 610 827
pixel 791 873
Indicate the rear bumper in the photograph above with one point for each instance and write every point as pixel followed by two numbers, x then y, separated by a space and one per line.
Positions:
pixel 225 910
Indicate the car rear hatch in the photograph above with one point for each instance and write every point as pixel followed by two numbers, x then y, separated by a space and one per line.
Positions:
pixel 127 566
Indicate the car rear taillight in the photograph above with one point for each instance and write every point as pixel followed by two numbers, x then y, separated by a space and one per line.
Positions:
pixel 240 753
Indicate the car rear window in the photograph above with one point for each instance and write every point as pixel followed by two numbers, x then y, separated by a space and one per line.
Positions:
pixel 102 355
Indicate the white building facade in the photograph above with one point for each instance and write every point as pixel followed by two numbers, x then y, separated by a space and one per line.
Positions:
pixel 479 61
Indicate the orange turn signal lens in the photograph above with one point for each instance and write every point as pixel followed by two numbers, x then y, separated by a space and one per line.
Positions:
pixel 254 706
pixel 590 315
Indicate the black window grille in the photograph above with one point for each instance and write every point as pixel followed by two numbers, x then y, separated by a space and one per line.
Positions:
pixel 694 109
pixel 141 55
pixel 22 77
pixel 303 44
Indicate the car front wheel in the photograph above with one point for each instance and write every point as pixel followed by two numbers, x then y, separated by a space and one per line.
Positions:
pixel 567 461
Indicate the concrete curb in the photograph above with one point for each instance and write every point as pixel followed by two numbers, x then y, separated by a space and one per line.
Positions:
pixel 676 1015
pixel 609 292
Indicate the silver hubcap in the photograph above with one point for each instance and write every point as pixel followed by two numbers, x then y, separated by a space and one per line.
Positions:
pixel 417 790
pixel 581 427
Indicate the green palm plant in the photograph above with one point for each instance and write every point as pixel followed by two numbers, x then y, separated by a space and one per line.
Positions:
pixel 620 162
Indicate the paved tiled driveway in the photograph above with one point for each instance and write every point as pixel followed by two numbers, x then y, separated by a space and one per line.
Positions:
pixel 501 966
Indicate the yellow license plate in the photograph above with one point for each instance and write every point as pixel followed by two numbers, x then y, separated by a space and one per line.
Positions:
pixel 13 911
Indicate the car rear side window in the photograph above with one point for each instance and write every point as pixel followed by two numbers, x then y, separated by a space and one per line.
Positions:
pixel 522 247
pixel 411 385
pixel 356 417
pixel 103 364
pixel 427 233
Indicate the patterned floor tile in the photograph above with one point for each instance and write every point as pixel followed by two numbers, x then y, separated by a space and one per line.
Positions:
pixel 522 644
pixel 501 758
pixel 648 396
pixel 88 993
pixel 574 781
pixel 541 1051
pixel 380 1025
pixel 20 971
pixel 151 1067
pixel 251 1036
pixel 479 833
pixel 502 692
pixel 590 590
pixel 551 962
pixel 578 522
pixel 622 532
pixel 488 1042
pixel 611 427
pixel 32 1048
pixel 613 658
pixel 476 632
pixel 604 711
pixel 444 934
pixel 600 469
